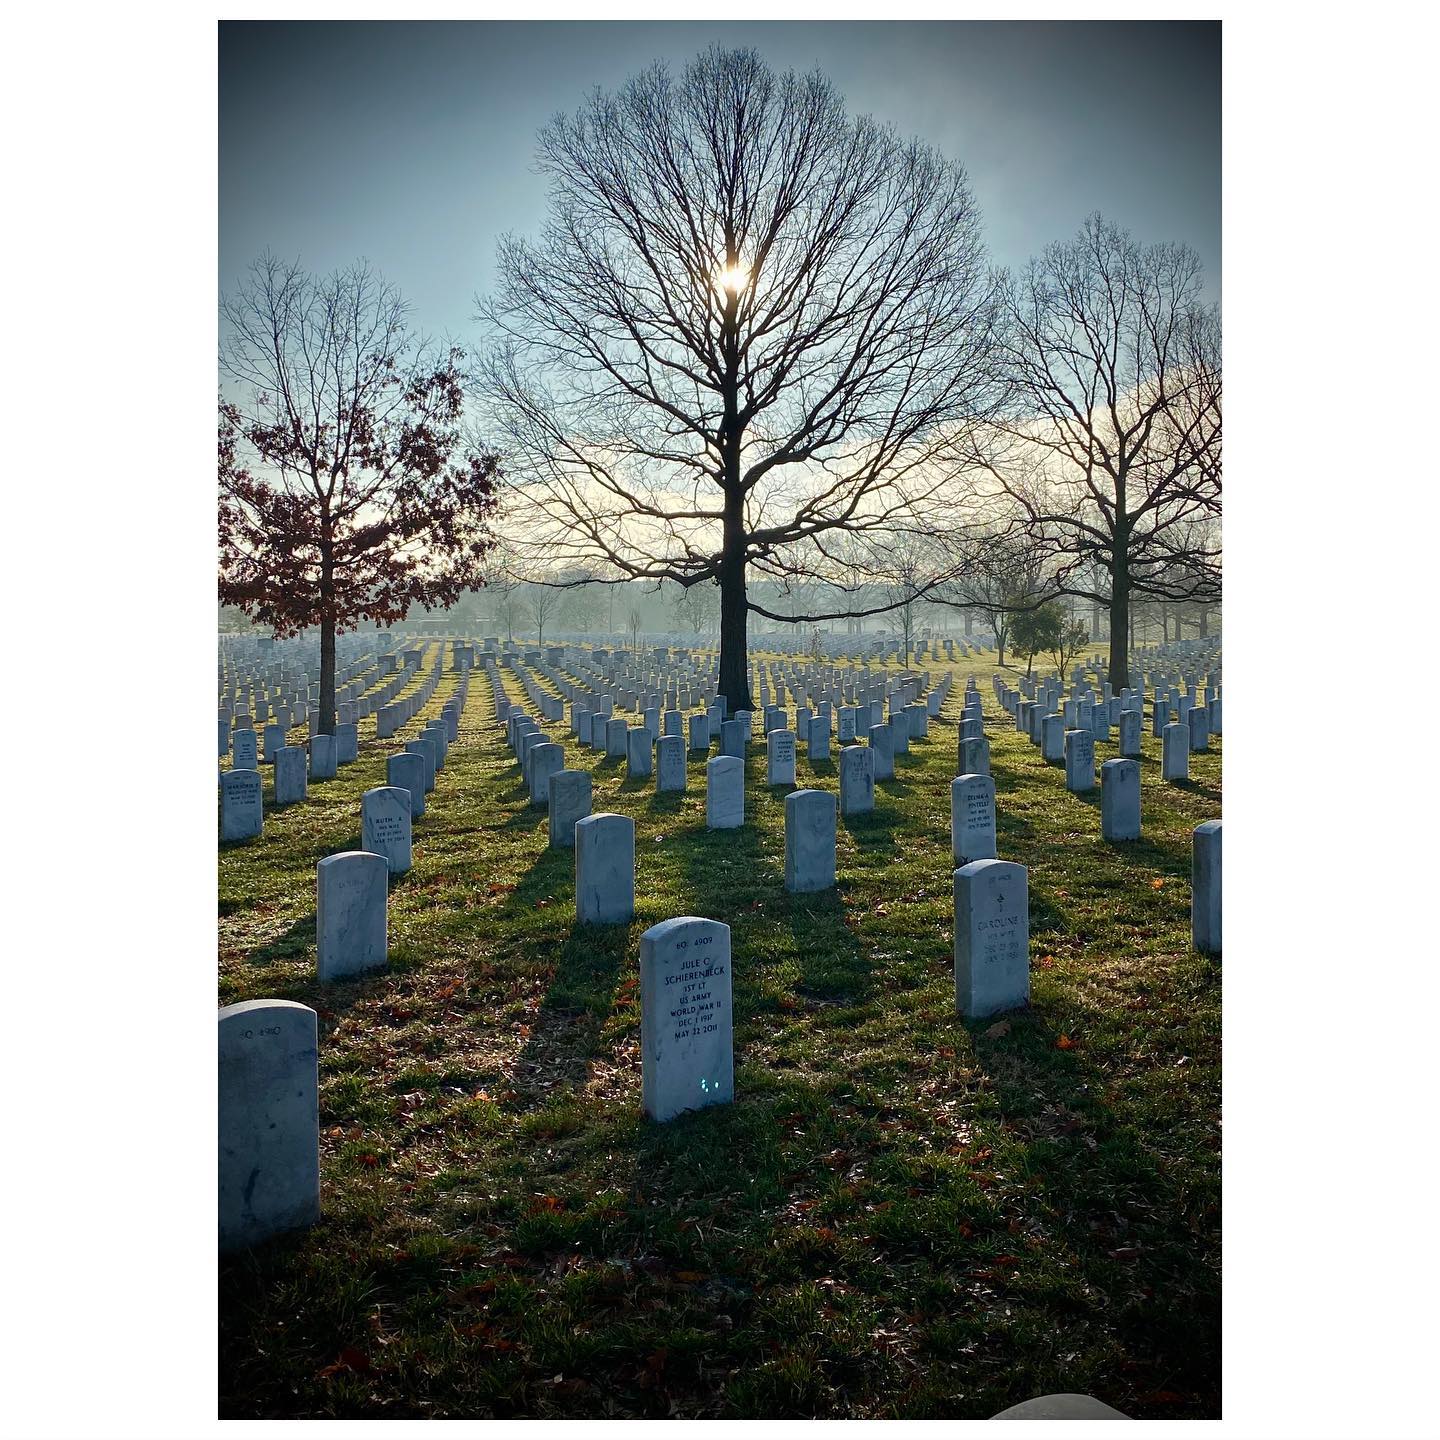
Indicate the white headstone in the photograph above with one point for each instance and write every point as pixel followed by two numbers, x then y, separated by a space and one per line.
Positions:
pixel 1079 761
pixel 975 756
pixel 408 771
pixel 290 781
pixel 1205 887
pixel 385 826
pixel 725 791
pixel 1175 758
pixel 605 869
pixel 810 840
pixel 545 760
pixel 1120 800
pixel 639 752
pixel 243 752
pixel 269 1123
pixel 992 937
pixel 322 757
pixel 857 780
pixel 972 818
pixel 686 1020
pixel 242 806
pixel 569 802
pixel 351 913
pixel 780 757
pixel 670 762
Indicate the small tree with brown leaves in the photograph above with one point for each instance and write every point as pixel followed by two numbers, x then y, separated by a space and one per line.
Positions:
pixel 347 490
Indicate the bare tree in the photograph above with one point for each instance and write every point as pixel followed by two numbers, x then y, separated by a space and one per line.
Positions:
pixel 547 604
pixel 998 570
pixel 635 620
pixel 750 320
pixel 694 608
pixel 1112 436
pixel 507 604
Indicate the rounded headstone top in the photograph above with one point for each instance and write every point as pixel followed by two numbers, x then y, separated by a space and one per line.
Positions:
pixel 246 1007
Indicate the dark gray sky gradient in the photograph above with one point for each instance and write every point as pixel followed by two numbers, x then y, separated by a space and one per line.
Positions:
pixel 412 144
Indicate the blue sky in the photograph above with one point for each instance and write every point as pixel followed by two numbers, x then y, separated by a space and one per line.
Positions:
pixel 411 144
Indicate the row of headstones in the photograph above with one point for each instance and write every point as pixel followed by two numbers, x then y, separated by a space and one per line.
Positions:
pixel 973 819
pixel 391 714
pixel 624 679
pixel 352 887
pixel 1067 736
pixel 568 792
pixel 354 701
pixel 242 808
pixel 269 1121
pixel 291 679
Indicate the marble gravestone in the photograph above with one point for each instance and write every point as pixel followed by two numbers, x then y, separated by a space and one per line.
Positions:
pixel 639 752
pixel 857 780
pixel 780 757
pixel 1175 754
pixel 347 743
pixel 385 826
pixel 1120 799
pixel 322 757
pixel 1199 719
pixel 699 734
pixel 424 747
pixel 972 818
pixel 725 791
pixel 882 742
pixel 545 760
pixel 975 756
pixel 686 1021
pixel 669 763
pixel 269 1121
pixel 817 738
pixel 352 893
pixel 290 782
pixel 243 753
pixel 242 807
pixel 992 937
pixel 733 735
pixel 1129 735
pixel 1052 739
pixel 569 801
pixel 605 869
pixel 408 771
pixel 1205 888
pixel 810 837
pixel 1079 761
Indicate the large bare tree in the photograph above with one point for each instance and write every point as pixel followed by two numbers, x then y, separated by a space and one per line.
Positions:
pixel 749 321
pixel 1110 453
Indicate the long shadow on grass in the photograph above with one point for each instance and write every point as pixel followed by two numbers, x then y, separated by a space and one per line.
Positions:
pixel 1145 1244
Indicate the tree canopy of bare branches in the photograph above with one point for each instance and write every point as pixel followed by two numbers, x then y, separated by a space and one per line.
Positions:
pixel 1110 440
pixel 750 321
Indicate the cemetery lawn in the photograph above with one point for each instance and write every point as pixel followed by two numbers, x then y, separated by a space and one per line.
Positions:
pixel 902 1214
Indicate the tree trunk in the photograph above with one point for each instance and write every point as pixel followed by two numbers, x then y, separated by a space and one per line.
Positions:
pixel 734 613
pixel 969 623
pixel 1204 621
pixel 327 675
pixel 1119 673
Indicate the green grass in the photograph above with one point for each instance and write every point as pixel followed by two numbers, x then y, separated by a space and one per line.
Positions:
pixel 901 1215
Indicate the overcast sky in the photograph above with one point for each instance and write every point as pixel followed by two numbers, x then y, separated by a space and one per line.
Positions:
pixel 411 144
